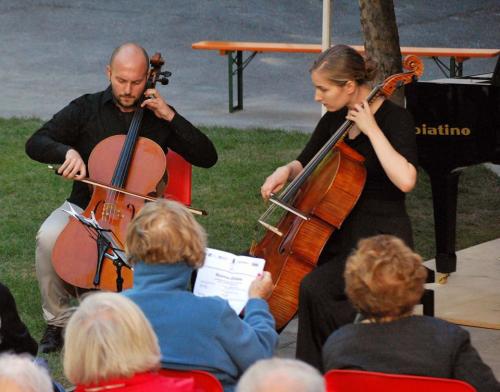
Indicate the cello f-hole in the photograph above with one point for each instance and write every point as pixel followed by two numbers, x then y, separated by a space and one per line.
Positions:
pixel 131 207
pixel 96 207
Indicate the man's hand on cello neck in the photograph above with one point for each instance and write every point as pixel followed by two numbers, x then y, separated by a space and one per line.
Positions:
pixel 157 104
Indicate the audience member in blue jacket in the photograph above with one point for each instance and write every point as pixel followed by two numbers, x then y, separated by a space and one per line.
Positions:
pixel 165 244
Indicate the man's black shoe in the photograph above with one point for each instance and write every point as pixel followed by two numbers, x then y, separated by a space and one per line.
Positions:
pixel 52 339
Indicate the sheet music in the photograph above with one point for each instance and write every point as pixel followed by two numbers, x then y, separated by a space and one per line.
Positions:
pixel 227 276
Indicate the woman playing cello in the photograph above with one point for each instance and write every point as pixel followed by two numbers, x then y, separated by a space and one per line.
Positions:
pixel 383 133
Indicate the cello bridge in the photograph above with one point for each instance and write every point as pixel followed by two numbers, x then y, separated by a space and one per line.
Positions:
pixel 110 210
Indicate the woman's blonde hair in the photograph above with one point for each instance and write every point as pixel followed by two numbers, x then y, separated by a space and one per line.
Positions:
pixel 290 374
pixel 19 370
pixel 165 231
pixel 107 337
pixel 341 63
pixel 384 278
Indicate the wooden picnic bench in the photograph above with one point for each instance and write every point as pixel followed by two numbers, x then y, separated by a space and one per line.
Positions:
pixel 236 64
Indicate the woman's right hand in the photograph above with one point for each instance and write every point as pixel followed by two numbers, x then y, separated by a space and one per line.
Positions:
pixel 275 182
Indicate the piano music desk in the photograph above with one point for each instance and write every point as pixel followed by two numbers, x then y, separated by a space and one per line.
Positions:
pixel 236 64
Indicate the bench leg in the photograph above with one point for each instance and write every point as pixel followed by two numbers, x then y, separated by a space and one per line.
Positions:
pixel 239 65
pixel 456 68
pixel 238 61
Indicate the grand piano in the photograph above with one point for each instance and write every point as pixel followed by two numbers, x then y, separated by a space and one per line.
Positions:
pixel 457 125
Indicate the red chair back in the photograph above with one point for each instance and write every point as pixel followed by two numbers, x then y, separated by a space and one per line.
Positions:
pixel 357 380
pixel 179 179
pixel 203 381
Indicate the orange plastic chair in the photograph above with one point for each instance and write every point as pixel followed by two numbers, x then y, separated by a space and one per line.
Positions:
pixel 203 381
pixel 357 380
pixel 179 179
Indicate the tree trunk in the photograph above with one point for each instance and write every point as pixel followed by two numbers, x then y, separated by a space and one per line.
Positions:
pixel 380 31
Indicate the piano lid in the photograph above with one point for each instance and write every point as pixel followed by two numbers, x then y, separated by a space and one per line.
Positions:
pixel 482 79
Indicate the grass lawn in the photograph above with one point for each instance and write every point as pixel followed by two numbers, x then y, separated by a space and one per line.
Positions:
pixel 229 192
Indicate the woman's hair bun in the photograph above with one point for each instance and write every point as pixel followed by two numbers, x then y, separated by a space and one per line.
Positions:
pixel 371 68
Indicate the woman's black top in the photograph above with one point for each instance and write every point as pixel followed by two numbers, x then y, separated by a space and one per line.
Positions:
pixel 381 206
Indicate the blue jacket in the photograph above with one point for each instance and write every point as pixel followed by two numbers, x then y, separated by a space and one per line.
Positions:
pixel 201 332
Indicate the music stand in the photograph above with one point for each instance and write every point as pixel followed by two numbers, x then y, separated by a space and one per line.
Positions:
pixel 104 240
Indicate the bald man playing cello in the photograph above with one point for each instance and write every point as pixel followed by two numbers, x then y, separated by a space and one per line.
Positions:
pixel 69 138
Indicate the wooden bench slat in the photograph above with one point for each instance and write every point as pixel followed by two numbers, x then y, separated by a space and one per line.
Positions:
pixel 256 46
pixel 449 52
pixel 226 46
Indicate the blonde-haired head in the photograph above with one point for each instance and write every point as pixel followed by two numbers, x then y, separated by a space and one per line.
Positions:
pixel 107 337
pixel 281 374
pixel 341 63
pixel 384 277
pixel 19 373
pixel 165 231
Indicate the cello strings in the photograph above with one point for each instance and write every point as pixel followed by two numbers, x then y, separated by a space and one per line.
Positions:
pixel 123 165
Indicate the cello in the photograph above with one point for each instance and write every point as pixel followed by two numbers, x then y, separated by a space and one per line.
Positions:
pixel 123 168
pixel 317 202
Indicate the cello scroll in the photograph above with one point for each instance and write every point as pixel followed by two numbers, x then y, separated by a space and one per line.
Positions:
pixel 156 75
pixel 415 69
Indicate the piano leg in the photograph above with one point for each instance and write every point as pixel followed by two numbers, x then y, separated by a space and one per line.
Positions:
pixel 427 302
pixel 444 198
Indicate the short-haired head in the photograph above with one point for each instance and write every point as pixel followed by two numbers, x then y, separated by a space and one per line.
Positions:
pixel 18 373
pixel 166 232
pixel 341 63
pixel 384 277
pixel 130 50
pixel 107 337
pixel 281 375
pixel 128 73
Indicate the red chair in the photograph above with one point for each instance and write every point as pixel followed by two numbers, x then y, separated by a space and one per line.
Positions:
pixel 179 179
pixel 357 380
pixel 203 381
